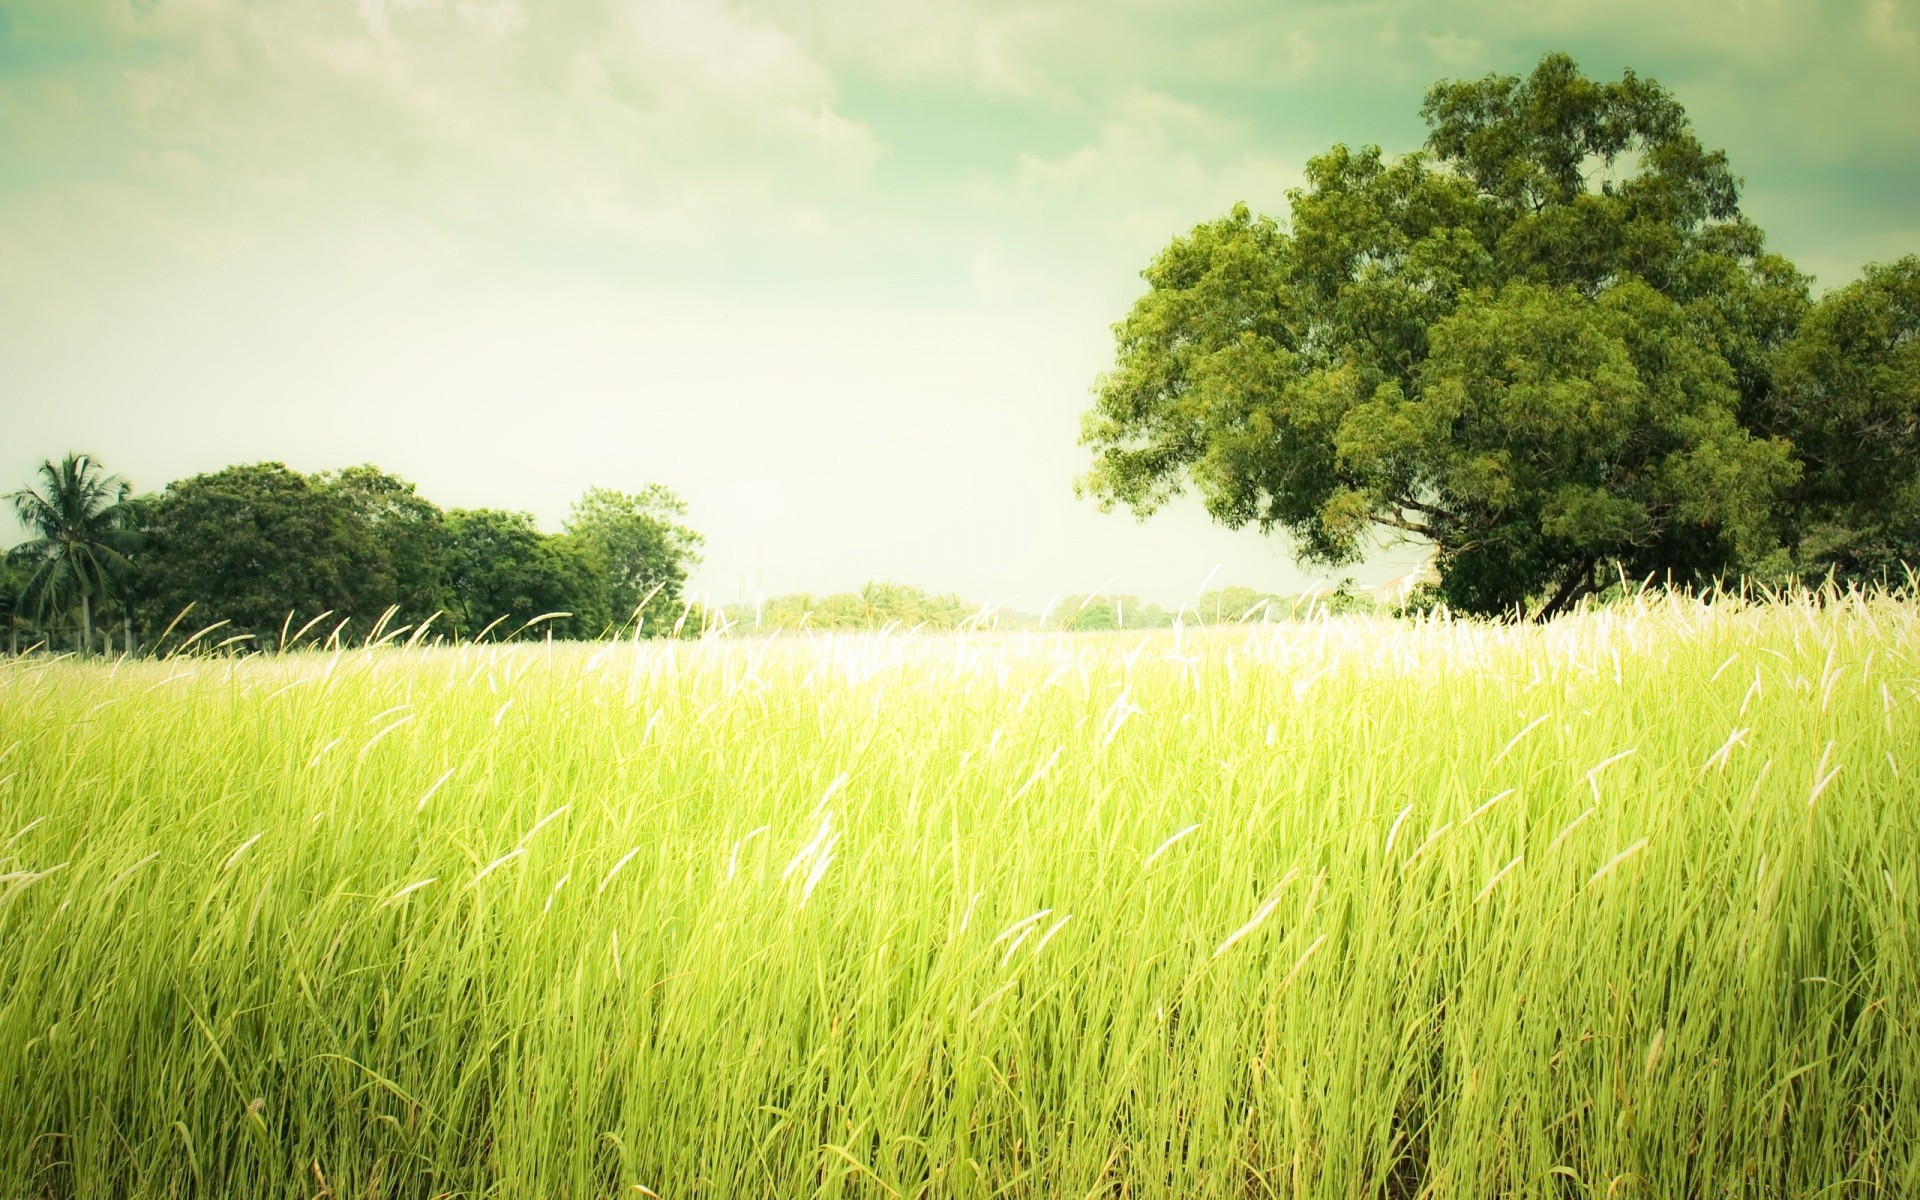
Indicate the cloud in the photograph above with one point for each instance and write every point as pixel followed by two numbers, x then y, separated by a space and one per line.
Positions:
pixel 655 119
pixel 1154 165
pixel 1456 51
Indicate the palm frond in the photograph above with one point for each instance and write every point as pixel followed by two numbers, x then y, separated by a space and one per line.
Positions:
pixel 83 521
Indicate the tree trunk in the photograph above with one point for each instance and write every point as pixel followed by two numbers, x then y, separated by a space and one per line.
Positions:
pixel 126 629
pixel 86 625
pixel 1574 585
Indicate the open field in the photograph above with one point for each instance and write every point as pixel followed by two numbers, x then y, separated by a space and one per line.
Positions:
pixel 1625 906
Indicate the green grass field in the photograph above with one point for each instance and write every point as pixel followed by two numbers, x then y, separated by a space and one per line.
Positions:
pixel 1625 906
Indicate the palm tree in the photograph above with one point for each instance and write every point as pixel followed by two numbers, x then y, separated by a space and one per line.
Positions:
pixel 81 517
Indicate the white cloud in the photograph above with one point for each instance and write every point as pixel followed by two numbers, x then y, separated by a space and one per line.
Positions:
pixel 655 119
pixel 1456 51
pixel 1154 166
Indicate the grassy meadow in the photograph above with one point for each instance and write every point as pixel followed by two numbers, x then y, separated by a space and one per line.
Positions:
pixel 1623 906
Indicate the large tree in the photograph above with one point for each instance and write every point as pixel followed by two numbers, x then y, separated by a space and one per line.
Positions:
pixel 1540 345
pixel 644 550
pixel 258 546
pixel 80 543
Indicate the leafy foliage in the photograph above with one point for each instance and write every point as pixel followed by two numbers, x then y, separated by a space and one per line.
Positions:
pixel 409 531
pixel 1850 402
pixel 643 549
pixel 503 572
pixel 258 546
pixel 1543 344
pixel 271 552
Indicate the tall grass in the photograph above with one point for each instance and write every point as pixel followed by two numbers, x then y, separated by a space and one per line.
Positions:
pixel 1624 906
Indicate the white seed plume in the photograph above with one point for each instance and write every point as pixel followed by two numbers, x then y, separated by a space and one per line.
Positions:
pixel 1515 741
pixel 1616 860
pixel 733 859
pixel 1825 779
pixel 24 829
pixel 539 825
pixel 1048 935
pixel 1166 845
pixel 839 781
pixel 20 881
pixel 422 806
pixel 1425 846
pixel 123 876
pixel 966 918
pixel 244 847
pixel 1489 804
pixel 1571 826
pixel 1593 772
pixel 1017 926
pixel 608 878
pixel 1497 877
pixel 1015 945
pixel 408 890
pixel 1302 961
pixel 1393 831
pixel 496 864
pixel 1822 785
pixel 1721 756
pixel 1039 773
pixel 811 848
pixel 375 739
pixel 1117 715
pixel 1248 928
pixel 995 994
pixel 820 864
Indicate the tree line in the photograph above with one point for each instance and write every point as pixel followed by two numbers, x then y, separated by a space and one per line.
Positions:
pixel 884 605
pixel 259 556
pixel 1548 344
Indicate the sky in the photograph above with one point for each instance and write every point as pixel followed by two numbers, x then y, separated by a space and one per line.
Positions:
pixel 840 272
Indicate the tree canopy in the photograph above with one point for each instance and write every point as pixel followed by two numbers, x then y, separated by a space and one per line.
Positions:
pixel 1849 400
pixel 254 546
pixel 271 555
pixel 644 552
pixel 1546 344
pixel 409 530
pixel 502 572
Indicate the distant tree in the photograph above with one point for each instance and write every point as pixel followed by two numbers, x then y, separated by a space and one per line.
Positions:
pixel 1849 400
pixel 409 532
pixel 875 605
pixel 645 551
pixel 252 544
pixel 80 543
pixel 1089 613
pixel 503 572
pixel 1537 345
pixel 1228 605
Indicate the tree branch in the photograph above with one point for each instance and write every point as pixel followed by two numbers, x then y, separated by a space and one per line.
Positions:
pixel 1398 522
